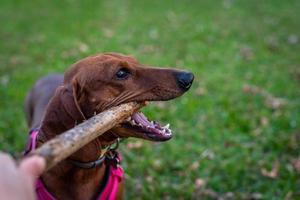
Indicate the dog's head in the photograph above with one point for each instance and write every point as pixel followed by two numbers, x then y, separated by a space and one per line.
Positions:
pixel 103 81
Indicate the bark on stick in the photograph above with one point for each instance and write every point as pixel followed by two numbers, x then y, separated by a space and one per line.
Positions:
pixel 63 145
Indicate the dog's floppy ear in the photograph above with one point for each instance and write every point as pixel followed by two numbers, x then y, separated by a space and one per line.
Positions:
pixel 78 91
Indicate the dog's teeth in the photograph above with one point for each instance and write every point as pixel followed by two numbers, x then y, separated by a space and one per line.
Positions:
pixel 164 131
pixel 128 119
pixel 152 122
pixel 168 132
pixel 166 126
pixel 132 122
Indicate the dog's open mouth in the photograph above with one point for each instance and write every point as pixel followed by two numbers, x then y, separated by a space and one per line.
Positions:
pixel 152 130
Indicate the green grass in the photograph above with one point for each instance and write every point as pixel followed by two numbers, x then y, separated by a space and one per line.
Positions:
pixel 223 135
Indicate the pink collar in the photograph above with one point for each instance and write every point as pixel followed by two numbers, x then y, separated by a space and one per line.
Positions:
pixel 109 192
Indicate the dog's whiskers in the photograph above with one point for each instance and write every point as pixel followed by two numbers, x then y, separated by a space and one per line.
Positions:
pixel 119 99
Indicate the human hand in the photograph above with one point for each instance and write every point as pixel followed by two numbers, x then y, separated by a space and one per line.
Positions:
pixel 17 182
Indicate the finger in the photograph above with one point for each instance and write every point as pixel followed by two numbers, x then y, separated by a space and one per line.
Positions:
pixel 33 166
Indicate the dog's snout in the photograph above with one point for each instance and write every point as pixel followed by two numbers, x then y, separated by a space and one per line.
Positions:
pixel 184 79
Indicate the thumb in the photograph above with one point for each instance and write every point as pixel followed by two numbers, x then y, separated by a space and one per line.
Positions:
pixel 32 167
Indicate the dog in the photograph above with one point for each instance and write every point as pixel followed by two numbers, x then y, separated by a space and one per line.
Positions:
pixel 59 102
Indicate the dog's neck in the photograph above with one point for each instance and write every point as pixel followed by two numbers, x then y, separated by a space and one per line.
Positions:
pixel 62 115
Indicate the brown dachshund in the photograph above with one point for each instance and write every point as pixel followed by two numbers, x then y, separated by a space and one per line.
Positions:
pixel 57 103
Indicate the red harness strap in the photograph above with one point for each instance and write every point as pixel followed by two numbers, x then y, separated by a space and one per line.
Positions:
pixel 109 192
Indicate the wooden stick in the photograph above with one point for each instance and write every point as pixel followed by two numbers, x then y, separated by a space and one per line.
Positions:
pixel 72 140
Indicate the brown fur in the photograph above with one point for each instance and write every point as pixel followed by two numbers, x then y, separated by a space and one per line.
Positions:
pixel 89 87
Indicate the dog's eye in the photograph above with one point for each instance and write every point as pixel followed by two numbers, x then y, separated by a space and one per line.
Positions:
pixel 123 73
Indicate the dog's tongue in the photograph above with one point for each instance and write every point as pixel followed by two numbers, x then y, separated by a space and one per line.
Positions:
pixel 141 119
pixel 153 129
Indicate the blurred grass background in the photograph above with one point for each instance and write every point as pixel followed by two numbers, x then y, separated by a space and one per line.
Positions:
pixel 236 133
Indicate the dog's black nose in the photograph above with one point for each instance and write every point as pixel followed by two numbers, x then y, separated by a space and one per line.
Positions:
pixel 184 79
